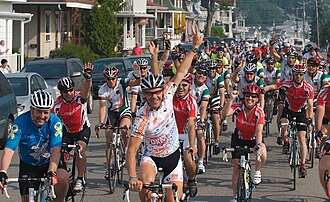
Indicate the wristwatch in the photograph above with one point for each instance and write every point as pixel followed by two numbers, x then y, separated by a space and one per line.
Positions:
pixel 193 49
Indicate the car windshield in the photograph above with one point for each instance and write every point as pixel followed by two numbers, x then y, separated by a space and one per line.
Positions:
pixel 47 71
pixel 161 54
pixel 101 65
pixel 19 85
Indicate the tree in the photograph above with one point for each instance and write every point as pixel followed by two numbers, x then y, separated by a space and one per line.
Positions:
pixel 211 8
pixel 218 31
pixel 102 31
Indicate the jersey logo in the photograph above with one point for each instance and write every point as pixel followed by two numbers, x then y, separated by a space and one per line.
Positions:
pixel 12 131
pixel 58 128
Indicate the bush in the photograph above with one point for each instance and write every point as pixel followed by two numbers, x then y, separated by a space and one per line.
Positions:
pixel 218 31
pixel 83 52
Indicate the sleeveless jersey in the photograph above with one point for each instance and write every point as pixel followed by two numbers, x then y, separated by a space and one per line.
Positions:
pixel 296 98
pixel 73 114
pixel 247 126
pixel 35 143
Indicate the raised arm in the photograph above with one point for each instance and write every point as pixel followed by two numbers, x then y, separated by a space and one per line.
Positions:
pixel 227 110
pixel 153 50
pixel 85 91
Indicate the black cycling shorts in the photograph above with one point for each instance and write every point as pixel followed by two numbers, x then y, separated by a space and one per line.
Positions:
pixel 300 118
pixel 34 172
pixel 168 163
pixel 114 118
pixel 236 141
pixel 83 135
pixel 325 121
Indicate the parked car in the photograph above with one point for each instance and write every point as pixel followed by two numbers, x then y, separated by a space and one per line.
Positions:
pixel 167 69
pixel 8 109
pixel 213 38
pixel 54 69
pixel 123 64
pixel 133 58
pixel 24 84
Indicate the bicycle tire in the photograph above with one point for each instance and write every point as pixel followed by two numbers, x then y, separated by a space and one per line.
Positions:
pixel 112 169
pixel 120 161
pixel 207 145
pixel 240 186
pixel 294 165
pixel 210 141
pixel 327 184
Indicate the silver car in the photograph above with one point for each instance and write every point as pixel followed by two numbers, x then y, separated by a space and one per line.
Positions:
pixel 23 85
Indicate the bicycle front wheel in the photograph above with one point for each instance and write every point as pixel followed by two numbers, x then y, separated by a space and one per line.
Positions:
pixel 294 164
pixel 121 161
pixel 241 186
pixel 112 169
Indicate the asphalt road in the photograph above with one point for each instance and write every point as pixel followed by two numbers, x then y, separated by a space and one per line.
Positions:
pixel 214 185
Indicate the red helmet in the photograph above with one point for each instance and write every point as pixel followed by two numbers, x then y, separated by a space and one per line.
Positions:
pixel 110 72
pixel 252 88
pixel 313 61
pixel 299 68
pixel 188 78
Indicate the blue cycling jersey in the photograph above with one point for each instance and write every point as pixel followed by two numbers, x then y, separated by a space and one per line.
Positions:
pixel 35 143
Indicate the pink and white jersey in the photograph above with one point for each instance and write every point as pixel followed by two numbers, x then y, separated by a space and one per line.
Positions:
pixel 73 114
pixel 158 128
pixel 323 99
pixel 296 97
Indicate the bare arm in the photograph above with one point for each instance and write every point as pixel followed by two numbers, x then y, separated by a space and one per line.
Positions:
pixel 222 96
pixel 54 158
pixel 133 147
pixel 154 49
pixel 7 156
pixel 270 87
pixel 203 108
pixel 319 117
pixel 163 59
pixel 258 132
pixel 85 91
pixel 234 76
pixel 135 82
pixel 309 111
pixel 262 100
pixel 192 131
pixel 134 97
pixel 103 110
pixel 274 53
pixel 227 110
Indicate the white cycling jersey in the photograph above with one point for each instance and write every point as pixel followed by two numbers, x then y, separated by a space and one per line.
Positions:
pixel 158 128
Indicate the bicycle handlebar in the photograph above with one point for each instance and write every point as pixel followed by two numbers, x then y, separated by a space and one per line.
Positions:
pixel 76 146
pixel 241 150
pixel 30 179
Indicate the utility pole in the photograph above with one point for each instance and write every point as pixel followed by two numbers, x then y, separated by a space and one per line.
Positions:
pixel 317 24
pixel 304 20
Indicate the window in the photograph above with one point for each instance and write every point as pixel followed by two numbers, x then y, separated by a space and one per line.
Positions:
pixel 76 67
pixel 47 25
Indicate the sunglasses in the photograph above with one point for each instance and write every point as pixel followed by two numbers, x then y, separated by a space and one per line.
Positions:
pixel 202 73
pixel 250 95
pixel 111 79
pixel 143 67
pixel 183 85
pixel 249 73
pixel 153 93
pixel 299 74
pixel 67 90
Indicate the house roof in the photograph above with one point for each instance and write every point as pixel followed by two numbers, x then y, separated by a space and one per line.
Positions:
pixel 84 4
pixel 15 16
pixel 152 5
pixel 220 2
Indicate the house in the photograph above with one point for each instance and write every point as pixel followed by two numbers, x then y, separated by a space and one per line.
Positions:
pixel 134 18
pixel 170 19
pixel 7 18
pixel 53 23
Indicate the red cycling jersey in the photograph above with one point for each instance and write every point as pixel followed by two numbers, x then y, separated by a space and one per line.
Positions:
pixel 323 99
pixel 73 114
pixel 247 126
pixel 183 109
pixel 296 97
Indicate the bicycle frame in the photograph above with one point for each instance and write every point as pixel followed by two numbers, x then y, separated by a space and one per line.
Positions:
pixel 44 187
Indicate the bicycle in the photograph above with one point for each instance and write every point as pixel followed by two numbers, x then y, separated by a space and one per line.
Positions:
pixel 269 105
pixel 311 145
pixel 209 141
pixel 245 185
pixel 294 156
pixel 117 160
pixel 45 191
pixel 157 189
pixel 326 181
pixel 186 191
pixel 66 151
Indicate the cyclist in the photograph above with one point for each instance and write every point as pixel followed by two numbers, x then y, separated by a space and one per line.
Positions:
pixel 250 119
pixel 249 77
pixel 298 103
pixel 202 94
pixel 215 84
pixel 313 76
pixel 38 135
pixel 219 55
pixel 113 100
pixel 185 110
pixel 322 111
pixel 71 108
pixel 155 124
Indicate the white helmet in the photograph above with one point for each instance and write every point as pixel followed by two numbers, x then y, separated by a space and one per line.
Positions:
pixel 152 81
pixel 141 62
pixel 42 100
pixel 250 67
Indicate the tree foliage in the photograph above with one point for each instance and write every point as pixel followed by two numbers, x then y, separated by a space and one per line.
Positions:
pixel 102 31
pixel 211 8
pixel 218 31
